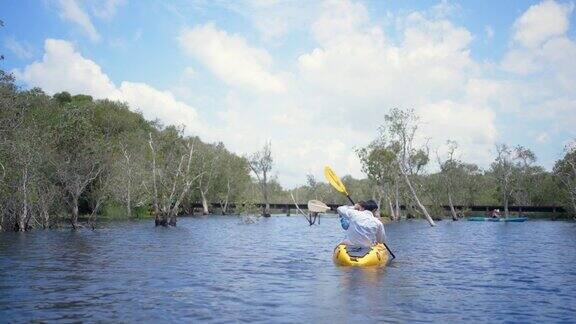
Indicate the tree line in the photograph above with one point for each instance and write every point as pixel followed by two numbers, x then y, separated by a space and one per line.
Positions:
pixel 63 157
pixel 69 157
pixel 395 163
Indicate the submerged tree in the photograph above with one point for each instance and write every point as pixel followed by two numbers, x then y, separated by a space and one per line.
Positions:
pixel 209 162
pixel 502 168
pixel 450 171
pixel 261 164
pixel 400 131
pixel 129 180
pixel 172 174
pixel 81 155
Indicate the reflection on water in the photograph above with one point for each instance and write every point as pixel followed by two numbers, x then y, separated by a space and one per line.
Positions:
pixel 280 270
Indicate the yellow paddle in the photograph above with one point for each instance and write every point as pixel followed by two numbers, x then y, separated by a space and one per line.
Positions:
pixel 338 185
pixel 336 182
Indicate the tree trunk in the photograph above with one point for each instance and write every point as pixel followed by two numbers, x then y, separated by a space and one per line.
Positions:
pixel 74 217
pixel 128 183
pixel 44 201
pixel 171 213
pixel 377 195
pixel 205 207
pixel 266 212
pixel 397 198
pixel 94 212
pixel 454 216
pixel 24 214
pixel 129 201
pixel 158 219
pixel 506 198
pixel 45 219
pixel 392 214
pixel 225 205
pixel 129 207
pixel 420 205
pixel 573 207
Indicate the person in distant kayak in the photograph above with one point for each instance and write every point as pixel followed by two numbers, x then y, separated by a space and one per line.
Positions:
pixel 362 224
pixel 495 213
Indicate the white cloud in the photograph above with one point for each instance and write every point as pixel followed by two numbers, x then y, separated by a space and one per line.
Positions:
pixel 520 62
pixel 64 69
pixel 473 127
pixel 106 9
pixel 272 27
pixel 540 41
pixel 274 19
pixel 543 138
pixel 543 51
pixel 154 104
pixel 489 32
pixel 189 72
pixel 22 50
pixel 340 20
pixel 444 9
pixel 342 89
pixel 356 59
pixel 542 22
pixel 367 74
pixel 70 10
pixel 231 59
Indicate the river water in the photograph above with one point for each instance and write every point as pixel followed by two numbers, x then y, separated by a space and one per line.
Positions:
pixel 279 270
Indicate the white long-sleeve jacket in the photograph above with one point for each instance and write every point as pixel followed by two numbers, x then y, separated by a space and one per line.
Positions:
pixel 365 229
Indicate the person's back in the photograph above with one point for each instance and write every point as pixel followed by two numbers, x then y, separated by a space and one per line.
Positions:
pixel 364 228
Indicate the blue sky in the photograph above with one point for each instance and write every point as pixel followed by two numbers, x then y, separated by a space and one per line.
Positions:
pixel 314 77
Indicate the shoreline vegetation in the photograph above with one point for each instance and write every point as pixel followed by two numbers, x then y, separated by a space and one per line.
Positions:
pixel 69 160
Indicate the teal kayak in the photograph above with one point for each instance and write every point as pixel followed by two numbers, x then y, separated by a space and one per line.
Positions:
pixel 503 219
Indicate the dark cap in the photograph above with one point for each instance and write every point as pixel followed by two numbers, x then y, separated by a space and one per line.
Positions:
pixel 369 205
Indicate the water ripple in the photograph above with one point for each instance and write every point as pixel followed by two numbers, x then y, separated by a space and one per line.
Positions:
pixel 279 270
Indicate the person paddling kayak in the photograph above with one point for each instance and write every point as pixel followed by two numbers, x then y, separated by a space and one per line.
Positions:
pixel 362 226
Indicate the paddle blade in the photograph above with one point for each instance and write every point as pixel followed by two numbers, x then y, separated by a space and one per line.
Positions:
pixel 334 180
pixel 316 206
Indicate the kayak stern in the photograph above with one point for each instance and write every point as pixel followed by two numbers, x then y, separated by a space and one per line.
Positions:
pixel 375 256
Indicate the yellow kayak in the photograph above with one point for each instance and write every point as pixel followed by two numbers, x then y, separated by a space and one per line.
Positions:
pixel 345 255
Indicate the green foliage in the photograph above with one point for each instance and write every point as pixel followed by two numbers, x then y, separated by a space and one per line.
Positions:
pixel 64 151
pixel 113 210
pixel 248 207
pixel 61 150
pixel 565 174
pixel 63 97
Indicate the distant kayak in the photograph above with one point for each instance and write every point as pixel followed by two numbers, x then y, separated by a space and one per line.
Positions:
pixel 503 219
pixel 356 256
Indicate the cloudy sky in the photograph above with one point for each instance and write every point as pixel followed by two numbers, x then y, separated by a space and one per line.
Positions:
pixel 313 77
